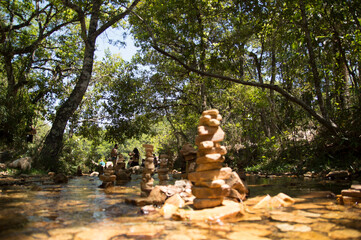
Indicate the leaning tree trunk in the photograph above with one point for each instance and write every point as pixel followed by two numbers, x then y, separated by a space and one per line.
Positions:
pixel 53 144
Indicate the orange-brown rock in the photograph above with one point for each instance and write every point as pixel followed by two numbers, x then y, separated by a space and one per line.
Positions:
pixel 236 183
pixel 206 145
pixel 205 192
pixel 201 203
pixel 210 184
pixel 210 158
pixel 218 136
pixel 210 175
pixel 211 112
pixel 228 211
pixel 208 166
pixel 206 130
pixel 351 193
pixel 175 200
pixel 221 150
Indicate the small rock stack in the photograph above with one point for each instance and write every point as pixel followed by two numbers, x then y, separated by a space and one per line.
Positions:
pixel 108 177
pixel 350 196
pixel 163 169
pixel 190 155
pixel 123 175
pixel 209 178
pixel 146 185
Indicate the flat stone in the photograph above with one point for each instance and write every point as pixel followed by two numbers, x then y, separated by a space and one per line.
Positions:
pixel 218 136
pixel 221 150
pixel 201 203
pixel 323 226
pixel 356 186
pixel 210 175
pixel 211 184
pixel 345 234
pixel 208 166
pixel 204 192
pixel 210 158
pixel 228 210
pixel 351 193
pixel 350 201
pixel 285 227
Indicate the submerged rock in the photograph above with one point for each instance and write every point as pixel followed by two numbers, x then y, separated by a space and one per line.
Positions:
pixel 60 178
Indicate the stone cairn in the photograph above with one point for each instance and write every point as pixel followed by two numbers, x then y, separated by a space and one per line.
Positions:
pixel 146 184
pixel 123 175
pixel 190 155
pixel 351 196
pixel 163 169
pixel 209 185
pixel 108 177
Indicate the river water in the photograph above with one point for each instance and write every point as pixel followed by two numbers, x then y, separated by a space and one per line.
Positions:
pixel 82 210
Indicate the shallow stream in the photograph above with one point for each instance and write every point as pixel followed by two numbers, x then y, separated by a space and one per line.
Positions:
pixel 82 210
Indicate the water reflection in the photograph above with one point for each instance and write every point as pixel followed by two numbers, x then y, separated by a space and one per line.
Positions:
pixel 82 210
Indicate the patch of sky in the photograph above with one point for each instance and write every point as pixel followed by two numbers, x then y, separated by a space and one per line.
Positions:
pixel 117 41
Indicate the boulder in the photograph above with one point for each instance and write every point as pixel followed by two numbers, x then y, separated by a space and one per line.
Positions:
pixel 21 163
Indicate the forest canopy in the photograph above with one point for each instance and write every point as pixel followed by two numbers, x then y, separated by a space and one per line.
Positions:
pixel 285 76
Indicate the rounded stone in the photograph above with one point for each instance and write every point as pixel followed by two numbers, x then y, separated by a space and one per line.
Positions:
pixel 200 203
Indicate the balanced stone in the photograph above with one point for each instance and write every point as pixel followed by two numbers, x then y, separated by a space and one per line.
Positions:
pixel 221 150
pixel 205 192
pixel 211 184
pixel 200 203
pixel 208 166
pixel 217 136
pixel 210 158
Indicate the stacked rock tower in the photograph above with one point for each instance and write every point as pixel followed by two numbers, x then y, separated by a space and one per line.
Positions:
pixel 209 186
pixel 190 155
pixel 146 185
pixel 108 177
pixel 163 169
pixel 123 175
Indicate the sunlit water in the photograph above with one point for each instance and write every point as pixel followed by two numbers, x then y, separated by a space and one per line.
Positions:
pixel 82 210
